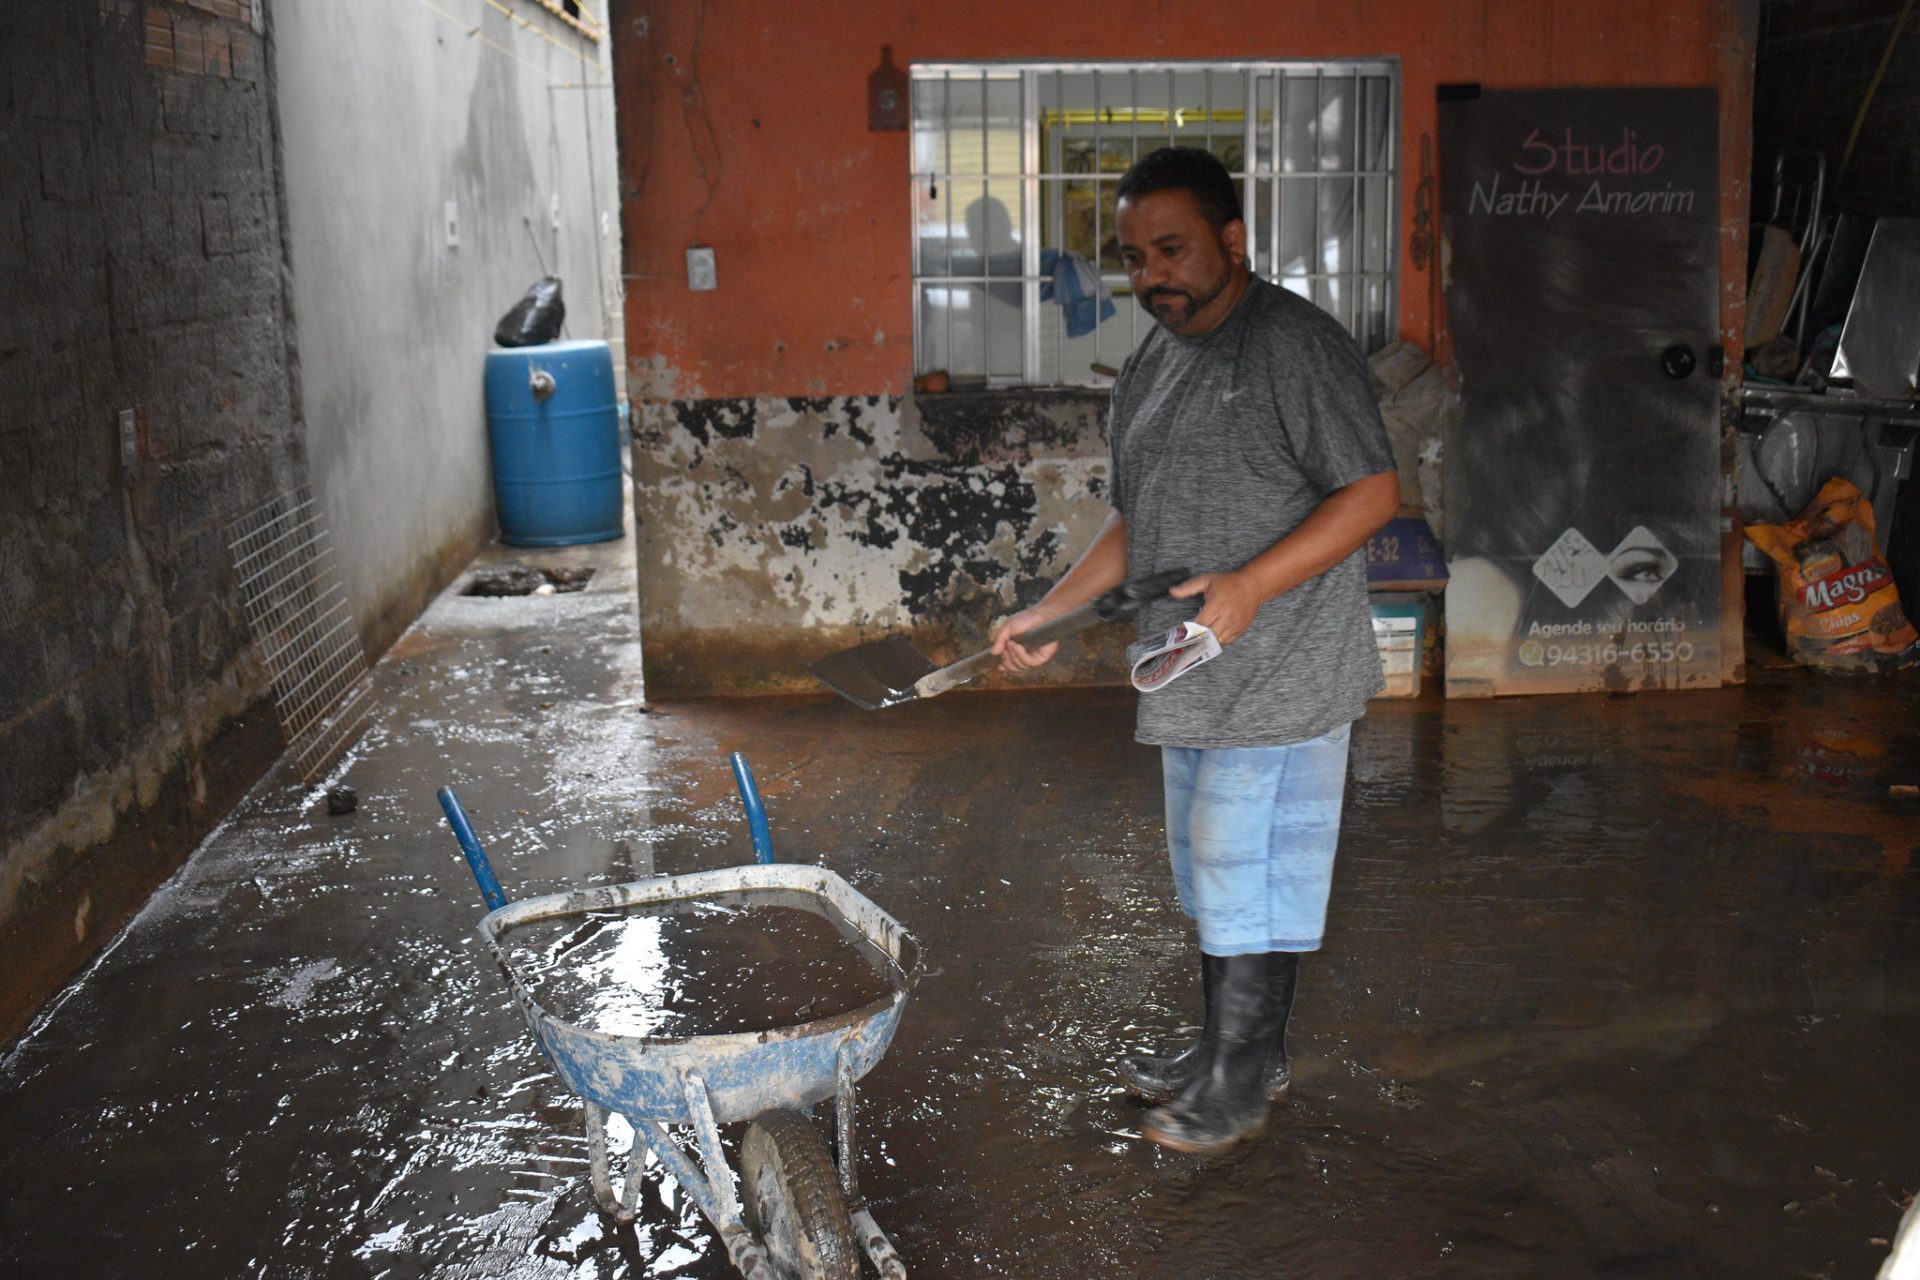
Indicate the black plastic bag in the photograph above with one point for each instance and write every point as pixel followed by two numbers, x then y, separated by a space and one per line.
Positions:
pixel 534 319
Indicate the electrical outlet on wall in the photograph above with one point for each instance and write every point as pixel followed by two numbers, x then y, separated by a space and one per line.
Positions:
pixel 554 210
pixel 129 425
pixel 701 271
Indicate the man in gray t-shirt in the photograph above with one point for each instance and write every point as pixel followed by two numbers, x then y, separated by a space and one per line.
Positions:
pixel 1248 450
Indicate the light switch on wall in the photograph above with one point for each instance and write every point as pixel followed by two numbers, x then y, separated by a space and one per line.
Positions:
pixel 701 272
pixel 453 224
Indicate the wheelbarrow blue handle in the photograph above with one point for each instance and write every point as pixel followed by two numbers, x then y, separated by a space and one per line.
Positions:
pixel 470 845
pixel 756 811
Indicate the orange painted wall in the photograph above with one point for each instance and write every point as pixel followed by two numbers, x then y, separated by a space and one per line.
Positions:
pixel 743 126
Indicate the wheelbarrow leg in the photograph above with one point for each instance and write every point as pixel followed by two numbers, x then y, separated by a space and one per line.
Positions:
pixel 747 1256
pixel 873 1241
pixel 626 1207
pixel 722 1201
pixel 843 1127
pixel 878 1248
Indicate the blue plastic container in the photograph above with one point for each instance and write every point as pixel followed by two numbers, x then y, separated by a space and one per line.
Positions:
pixel 554 427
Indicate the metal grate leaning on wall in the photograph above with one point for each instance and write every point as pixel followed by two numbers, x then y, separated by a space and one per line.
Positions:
pixel 298 613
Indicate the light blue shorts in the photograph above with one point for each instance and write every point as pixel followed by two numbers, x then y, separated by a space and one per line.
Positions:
pixel 1252 832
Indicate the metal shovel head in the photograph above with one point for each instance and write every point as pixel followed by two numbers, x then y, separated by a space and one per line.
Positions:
pixel 877 674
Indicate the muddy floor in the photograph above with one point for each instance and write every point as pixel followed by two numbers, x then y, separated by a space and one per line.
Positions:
pixel 1612 987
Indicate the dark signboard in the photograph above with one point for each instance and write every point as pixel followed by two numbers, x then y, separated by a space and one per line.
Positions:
pixel 1583 480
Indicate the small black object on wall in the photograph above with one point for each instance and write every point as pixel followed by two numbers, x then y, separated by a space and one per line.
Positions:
pixel 887 95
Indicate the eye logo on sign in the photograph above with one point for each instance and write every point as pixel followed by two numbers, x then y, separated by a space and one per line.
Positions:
pixel 1572 567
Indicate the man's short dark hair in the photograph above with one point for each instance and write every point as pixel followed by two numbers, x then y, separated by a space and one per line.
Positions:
pixel 1198 173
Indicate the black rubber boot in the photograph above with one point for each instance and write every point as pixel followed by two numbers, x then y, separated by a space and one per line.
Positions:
pixel 1227 1099
pixel 1161 1077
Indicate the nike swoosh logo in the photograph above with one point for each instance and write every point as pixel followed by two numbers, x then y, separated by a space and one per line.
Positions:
pixel 1226 397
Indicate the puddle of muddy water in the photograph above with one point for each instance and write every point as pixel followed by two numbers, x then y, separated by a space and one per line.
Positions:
pixel 527 580
pixel 1611 987
pixel 719 966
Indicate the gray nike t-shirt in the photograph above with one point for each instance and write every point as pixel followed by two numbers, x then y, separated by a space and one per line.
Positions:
pixel 1222 444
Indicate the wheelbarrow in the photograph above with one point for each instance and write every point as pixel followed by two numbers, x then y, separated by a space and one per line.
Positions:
pixel 798 1213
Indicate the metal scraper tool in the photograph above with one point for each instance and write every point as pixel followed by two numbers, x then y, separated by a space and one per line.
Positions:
pixel 885 673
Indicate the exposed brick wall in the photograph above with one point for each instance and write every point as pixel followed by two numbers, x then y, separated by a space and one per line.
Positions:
pixel 200 37
pixel 140 268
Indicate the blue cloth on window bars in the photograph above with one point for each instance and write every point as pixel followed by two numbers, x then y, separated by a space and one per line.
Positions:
pixel 1077 287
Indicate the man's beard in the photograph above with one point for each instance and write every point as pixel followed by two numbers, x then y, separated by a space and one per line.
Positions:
pixel 1176 306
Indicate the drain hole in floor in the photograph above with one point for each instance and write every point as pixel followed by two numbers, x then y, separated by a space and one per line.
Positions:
pixel 526 580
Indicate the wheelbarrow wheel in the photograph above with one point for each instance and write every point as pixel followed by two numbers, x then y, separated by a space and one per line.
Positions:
pixel 792 1199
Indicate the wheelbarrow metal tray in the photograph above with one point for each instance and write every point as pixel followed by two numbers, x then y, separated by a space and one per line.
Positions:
pixel 744 1073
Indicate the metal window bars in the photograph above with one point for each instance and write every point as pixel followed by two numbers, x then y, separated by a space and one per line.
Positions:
pixel 298 614
pixel 1314 146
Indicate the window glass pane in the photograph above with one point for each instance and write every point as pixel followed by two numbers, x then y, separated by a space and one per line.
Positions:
pixel 1052 105
pixel 1264 122
pixel 1336 215
pixel 1297 211
pixel 1151 93
pixel 966 113
pixel 1227 123
pixel 967 327
pixel 932 203
pixel 1079 209
pixel 931 189
pixel 1088 129
pixel 962 206
pixel 1337 104
pixel 1299 119
pixel 929 125
pixel 1262 211
pixel 1381 326
pixel 992 229
pixel 1188 125
pixel 930 333
pixel 1322 229
pixel 1376 123
pixel 1328 297
pixel 1377 224
pixel 1002 330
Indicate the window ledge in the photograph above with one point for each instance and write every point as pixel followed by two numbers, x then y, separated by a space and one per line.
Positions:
pixel 976 398
pixel 1014 424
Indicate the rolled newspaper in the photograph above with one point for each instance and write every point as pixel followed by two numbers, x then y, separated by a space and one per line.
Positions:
pixel 1186 647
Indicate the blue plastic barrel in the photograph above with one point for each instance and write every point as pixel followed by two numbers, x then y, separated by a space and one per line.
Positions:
pixel 554 427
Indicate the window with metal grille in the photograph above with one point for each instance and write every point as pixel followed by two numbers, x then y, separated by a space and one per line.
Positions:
pixel 1015 166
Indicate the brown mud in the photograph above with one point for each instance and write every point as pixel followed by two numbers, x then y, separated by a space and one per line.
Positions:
pixel 701 968
pixel 1613 986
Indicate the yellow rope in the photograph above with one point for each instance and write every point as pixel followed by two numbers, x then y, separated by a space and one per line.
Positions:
pixel 528 24
pixel 1846 158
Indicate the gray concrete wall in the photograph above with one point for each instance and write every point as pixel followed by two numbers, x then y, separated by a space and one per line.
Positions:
pixel 389 111
pixel 140 270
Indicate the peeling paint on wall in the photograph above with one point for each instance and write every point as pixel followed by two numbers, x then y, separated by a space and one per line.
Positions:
pixel 776 529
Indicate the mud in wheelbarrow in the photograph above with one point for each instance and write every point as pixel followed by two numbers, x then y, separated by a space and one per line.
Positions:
pixel 798 1214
